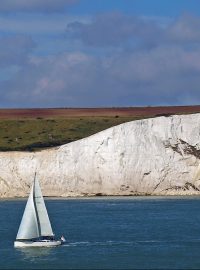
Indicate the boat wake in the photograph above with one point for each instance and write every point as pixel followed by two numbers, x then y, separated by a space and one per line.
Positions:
pixel 130 243
pixel 98 243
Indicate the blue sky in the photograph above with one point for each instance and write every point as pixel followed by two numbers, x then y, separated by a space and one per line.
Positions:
pixel 138 7
pixel 96 53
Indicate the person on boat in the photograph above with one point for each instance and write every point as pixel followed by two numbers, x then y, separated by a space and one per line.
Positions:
pixel 63 239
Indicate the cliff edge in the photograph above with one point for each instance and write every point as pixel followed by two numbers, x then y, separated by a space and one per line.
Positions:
pixel 156 156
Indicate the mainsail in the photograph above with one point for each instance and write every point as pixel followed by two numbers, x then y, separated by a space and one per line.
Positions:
pixel 35 221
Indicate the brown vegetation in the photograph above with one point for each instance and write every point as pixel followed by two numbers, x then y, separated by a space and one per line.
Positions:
pixel 79 112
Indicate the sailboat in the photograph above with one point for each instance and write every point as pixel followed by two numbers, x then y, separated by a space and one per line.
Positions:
pixel 35 229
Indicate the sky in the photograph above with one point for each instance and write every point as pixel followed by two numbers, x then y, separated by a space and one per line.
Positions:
pixel 99 53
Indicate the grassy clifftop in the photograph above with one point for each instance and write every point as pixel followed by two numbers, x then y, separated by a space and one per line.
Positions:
pixel 34 129
pixel 34 134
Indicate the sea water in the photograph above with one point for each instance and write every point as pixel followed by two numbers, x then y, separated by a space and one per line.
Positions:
pixel 109 233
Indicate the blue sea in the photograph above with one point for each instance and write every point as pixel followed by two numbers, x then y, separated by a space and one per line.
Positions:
pixel 109 233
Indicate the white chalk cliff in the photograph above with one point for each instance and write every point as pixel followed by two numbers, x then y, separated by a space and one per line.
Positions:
pixel 154 156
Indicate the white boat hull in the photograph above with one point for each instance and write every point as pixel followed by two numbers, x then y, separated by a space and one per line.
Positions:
pixel 23 244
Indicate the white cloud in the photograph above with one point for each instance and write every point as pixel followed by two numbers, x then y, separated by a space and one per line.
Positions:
pixel 129 61
pixel 185 29
pixel 167 75
pixel 113 29
pixel 117 29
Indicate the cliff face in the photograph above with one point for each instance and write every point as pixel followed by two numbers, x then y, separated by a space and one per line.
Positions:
pixel 154 156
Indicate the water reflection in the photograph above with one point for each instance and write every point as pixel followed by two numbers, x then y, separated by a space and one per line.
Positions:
pixel 34 253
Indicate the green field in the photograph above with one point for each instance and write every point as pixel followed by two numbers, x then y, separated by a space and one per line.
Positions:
pixel 39 133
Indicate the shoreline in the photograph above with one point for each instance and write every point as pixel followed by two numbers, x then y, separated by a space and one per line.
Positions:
pixel 110 197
